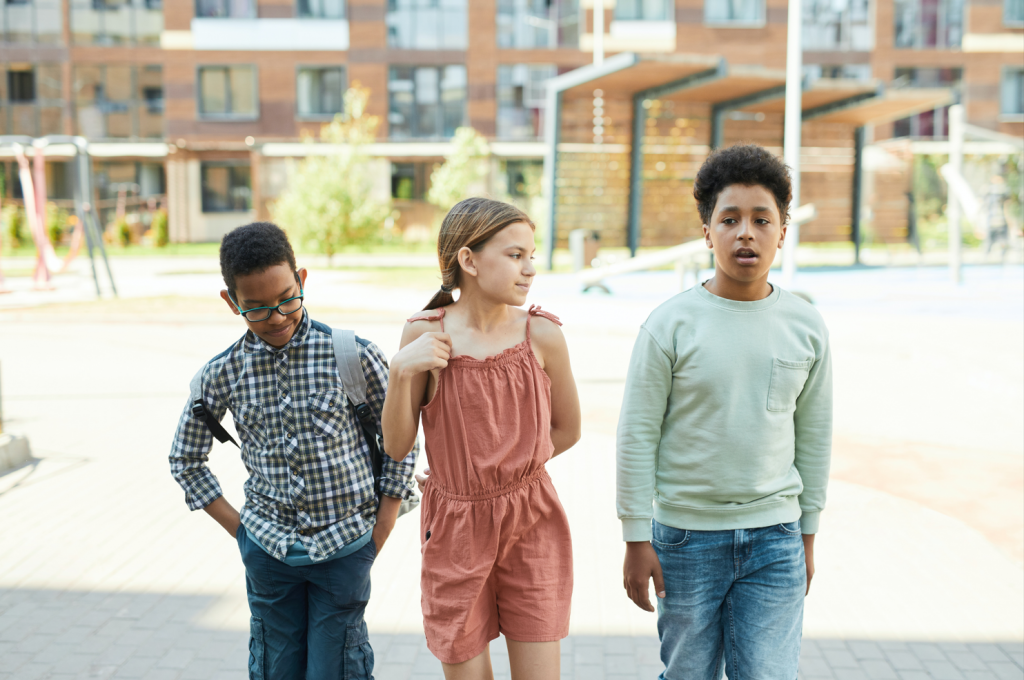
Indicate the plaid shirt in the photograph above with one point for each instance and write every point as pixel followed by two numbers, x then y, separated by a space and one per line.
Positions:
pixel 310 478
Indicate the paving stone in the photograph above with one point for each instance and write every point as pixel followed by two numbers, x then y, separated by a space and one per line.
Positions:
pixel 966 661
pixel 927 651
pixel 904 661
pixel 840 658
pixel 943 670
pixel 1006 671
pixel 862 649
pixel 878 669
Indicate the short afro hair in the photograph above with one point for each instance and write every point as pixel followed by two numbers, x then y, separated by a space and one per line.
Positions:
pixel 747 164
pixel 253 248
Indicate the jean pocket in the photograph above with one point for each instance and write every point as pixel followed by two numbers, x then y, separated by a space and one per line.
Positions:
pixel 787 382
pixel 669 538
pixel 257 650
pixel 358 653
pixel 789 529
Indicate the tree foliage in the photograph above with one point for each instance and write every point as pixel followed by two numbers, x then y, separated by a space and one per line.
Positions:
pixel 328 202
pixel 465 166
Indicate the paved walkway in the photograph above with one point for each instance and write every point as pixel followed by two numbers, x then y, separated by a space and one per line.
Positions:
pixel 104 573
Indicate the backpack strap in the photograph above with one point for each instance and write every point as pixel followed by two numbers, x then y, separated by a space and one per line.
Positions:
pixel 199 409
pixel 353 381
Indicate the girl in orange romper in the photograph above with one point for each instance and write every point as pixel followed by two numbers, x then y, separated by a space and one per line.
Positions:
pixel 494 388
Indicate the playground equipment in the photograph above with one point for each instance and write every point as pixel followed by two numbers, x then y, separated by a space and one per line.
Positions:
pixel 686 257
pixel 33 183
pixel 961 201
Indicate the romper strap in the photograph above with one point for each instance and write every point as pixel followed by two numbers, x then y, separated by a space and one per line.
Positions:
pixel 535 310
pixel 433 317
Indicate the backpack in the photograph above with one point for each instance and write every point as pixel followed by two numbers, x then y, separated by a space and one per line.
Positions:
pixel 353 382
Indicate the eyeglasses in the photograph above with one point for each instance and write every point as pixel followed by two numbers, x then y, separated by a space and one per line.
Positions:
pixel 289 306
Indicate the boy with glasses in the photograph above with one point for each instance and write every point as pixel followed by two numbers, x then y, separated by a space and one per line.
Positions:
pixel 311 525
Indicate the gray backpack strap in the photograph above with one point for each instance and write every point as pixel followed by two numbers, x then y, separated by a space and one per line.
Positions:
pixel 353 380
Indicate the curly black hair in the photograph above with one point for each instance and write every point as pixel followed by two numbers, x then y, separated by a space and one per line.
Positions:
pixel 253 248
pixel 747 164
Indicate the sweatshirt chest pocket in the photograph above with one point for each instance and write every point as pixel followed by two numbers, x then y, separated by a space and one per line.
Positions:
pixel 327 410
pixel 788 378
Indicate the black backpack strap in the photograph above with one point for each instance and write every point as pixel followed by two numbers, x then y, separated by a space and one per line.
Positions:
pixel 199 409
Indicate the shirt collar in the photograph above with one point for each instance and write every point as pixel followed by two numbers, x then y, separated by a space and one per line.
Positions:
pixel 254 343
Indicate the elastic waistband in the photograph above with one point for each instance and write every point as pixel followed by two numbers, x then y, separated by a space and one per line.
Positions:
pixel 537 475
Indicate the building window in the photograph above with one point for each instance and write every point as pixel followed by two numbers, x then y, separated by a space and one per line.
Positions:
pixel 116 22
pixel 521 97
pixel 426 101
pixel 321 9
pixel 830 25
pixel 118 101
pixel 226 9
pixel 226 187
pixel 31 101
pixel 522 178
pixel 427 24
pixel 320 91
pixel 928 124
pixel 813 72
pixel 734 12
pixel 644 10
pixel 1011 100
pixel 409 181
pixel 527 24
pixel 228 92
pixel 26 23
pixel 923 24
pixel 1013 12
pixel 21 86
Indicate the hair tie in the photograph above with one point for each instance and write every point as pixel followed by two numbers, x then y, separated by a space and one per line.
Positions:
pixel 445 288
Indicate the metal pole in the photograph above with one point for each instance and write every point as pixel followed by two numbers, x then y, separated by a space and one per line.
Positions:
pixel 859 136
pixel 956 162
pixel 791 140
pixel 79 197
pixel 636 174
pixel 552 134
pixel 717 127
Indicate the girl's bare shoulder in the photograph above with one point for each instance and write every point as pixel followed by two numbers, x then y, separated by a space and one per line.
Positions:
pixel 425 321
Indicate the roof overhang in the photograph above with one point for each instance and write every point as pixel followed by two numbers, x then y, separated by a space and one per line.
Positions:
pixel 629 73
pixel 888 106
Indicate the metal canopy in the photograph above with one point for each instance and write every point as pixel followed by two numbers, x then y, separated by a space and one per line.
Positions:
pixel 708 79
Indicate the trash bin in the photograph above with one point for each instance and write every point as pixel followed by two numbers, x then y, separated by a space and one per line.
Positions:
pixel 583 245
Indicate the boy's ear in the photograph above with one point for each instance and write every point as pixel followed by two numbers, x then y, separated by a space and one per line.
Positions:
pixel 466 261
pixel 301 273
pixel 782 236
pixel 707 236
pixel 231 305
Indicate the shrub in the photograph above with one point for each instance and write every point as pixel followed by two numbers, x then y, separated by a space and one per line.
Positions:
pixel 161 235
pixel 56 223
pixel 465 166
pixel 15 227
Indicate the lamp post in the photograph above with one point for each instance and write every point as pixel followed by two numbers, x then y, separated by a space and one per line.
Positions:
pixel 791 132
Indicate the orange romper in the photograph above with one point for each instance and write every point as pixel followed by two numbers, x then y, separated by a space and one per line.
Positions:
pixel 497 555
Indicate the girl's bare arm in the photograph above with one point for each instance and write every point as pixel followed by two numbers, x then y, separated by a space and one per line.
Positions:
pixel 421 351
pixel 565 402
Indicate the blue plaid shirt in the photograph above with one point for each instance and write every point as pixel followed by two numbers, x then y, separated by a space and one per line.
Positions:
pixel 310 476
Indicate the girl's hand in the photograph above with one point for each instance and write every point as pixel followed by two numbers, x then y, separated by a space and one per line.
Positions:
pixel 421 480
pixel 428 352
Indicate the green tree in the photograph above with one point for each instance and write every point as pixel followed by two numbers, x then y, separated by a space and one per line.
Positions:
pixel 462 168
pixel 328 202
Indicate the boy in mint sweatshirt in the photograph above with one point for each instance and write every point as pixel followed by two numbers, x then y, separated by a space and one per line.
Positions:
pixel 724 442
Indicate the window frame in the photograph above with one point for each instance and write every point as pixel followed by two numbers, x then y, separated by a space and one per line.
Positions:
pixel 1012 23
pixel 320 67
pixel 555 42
pixel 718 23
pixel 203 165
pixel 227 117
pixel 439 130
pixel 441 10
pixel 253 12
pixel 1005 72
pixel 35 86
pixel 343 17
pixel 668 6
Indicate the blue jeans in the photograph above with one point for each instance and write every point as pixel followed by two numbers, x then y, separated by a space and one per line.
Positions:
pixel 307 622
pixel 734 601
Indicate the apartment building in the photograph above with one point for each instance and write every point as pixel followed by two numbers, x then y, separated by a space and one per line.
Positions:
pixel 199 103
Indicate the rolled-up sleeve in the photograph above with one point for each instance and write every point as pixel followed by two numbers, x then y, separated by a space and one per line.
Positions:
pixel 190 452
pixel 397 477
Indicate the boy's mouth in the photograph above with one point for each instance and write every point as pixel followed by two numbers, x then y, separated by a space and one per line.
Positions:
pixel 745 256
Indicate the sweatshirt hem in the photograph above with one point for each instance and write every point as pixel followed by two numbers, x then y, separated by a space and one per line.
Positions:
pixel 724 518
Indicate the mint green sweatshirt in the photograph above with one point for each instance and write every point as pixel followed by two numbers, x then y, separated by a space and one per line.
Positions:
pixel 726 421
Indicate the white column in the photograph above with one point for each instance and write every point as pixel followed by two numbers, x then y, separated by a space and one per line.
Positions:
pixel 598 32
pixel 791 141
pixel 956 162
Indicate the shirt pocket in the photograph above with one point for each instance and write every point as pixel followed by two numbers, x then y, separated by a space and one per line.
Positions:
pixel 251 425
pixel 327 411
pixel 788 378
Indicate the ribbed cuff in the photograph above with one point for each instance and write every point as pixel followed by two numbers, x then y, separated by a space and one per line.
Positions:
pixel 636 529
pixel 809 522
